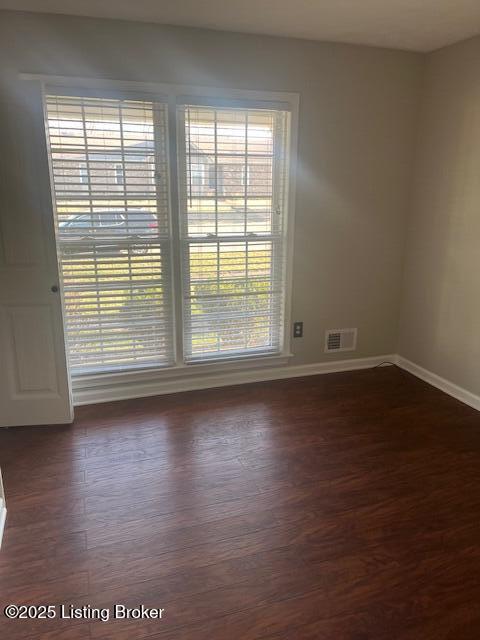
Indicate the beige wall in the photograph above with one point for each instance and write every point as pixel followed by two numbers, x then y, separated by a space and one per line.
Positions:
pixel 359 223
pixel 440 321
pixel 357 115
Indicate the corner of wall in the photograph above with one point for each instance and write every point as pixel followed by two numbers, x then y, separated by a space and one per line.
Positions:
pixel 411 192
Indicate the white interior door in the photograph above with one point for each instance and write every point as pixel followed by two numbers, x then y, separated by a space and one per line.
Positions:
pixel 34 380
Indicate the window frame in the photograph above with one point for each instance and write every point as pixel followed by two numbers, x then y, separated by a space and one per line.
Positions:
pixel 187 241
pixel 161 240
pixel 174 96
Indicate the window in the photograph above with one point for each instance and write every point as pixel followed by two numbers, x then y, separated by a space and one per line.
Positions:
pixel 114 246
pixel 232 240
pixel 224 256
pixel 83 175
pixel 245 176
pixel 197 175
pixel 119 175
pixel 212 176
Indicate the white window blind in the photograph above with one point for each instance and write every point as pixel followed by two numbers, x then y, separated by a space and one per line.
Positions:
pixel 113 234
pixel 233 166
pixel 224 260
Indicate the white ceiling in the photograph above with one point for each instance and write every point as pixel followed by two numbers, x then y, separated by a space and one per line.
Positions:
pixel 419 25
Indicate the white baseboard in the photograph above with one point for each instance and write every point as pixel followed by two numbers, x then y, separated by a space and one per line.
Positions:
pixel 3 517
pixel 467 397
pixel 154 387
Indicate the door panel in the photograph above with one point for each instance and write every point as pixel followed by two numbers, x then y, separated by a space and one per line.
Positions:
pixel 34 381
pixel 31 328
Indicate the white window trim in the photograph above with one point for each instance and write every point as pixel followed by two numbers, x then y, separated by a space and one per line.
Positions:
pixel 177 94
pixel 183 371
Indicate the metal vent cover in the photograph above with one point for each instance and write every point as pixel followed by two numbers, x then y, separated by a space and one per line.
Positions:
pixel 340 340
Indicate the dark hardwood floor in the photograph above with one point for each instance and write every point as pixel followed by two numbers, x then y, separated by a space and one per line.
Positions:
pixel 333 507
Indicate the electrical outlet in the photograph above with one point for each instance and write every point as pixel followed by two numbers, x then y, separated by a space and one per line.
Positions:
pixel 298 329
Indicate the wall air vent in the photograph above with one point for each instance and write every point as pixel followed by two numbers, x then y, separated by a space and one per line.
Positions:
pixel 340 340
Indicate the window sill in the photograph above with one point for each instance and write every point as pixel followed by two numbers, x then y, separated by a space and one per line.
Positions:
pixel 103 387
